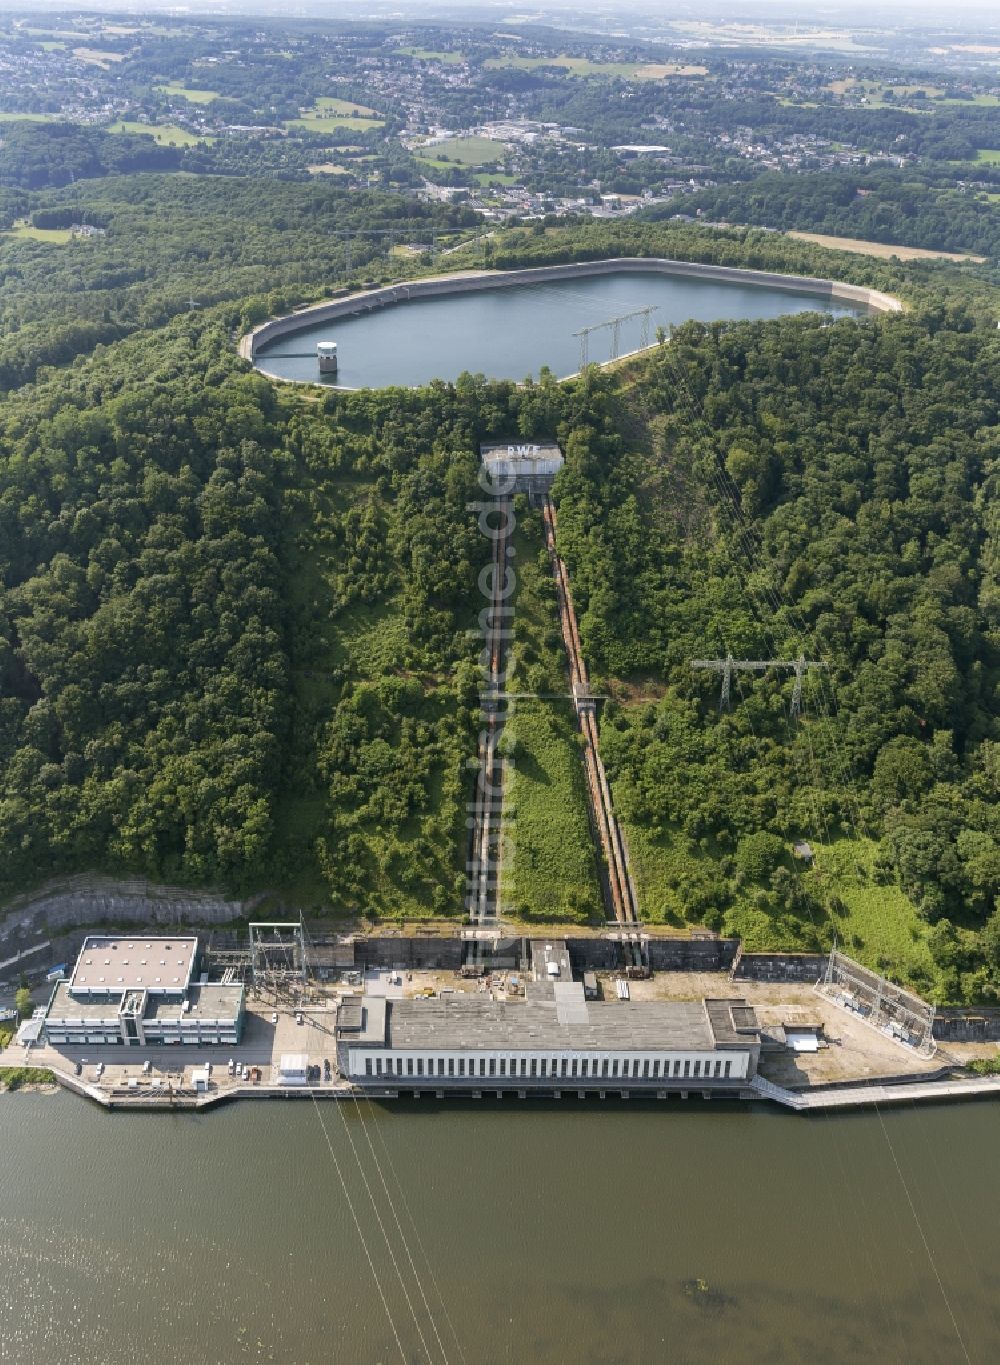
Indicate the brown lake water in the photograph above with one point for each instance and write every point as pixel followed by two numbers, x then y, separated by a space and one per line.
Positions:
pixel 527 1232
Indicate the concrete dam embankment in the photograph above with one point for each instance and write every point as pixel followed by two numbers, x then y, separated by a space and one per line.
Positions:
pixel 256 342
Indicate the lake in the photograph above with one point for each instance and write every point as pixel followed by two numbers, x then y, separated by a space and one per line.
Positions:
pixel 512 332
pixel 538 1233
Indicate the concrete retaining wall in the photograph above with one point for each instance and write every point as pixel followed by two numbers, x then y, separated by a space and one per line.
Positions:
pixel 475 280
pixel 691 954
pixel 417 952
pixel 98 900
pixel 967 1026
pixel 781 967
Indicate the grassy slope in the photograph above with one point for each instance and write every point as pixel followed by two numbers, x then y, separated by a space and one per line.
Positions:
pixel 462 151
pixel 164 133
pixel 548 870
pixel 881 925
pixel 185 93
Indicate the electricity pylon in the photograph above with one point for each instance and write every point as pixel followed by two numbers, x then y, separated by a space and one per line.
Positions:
pixel 728 666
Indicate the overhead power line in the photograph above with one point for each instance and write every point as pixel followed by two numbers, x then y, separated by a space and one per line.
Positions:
pixel 728 666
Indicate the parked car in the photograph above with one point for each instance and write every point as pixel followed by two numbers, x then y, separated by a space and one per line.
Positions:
pixel 147 1067
pixel 299 1017
pixel 99 1070
pixel 274 1017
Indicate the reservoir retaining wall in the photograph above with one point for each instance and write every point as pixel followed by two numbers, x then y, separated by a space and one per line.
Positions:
pixel 467 282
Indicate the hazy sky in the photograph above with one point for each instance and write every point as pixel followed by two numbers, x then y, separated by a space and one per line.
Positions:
pixel 984 14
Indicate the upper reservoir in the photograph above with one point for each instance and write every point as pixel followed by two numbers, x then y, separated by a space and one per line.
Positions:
pixel 513 331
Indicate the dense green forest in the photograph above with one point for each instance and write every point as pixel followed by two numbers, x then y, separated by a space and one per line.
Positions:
pixel 173 243
pixel 235 619
pixel 826 490
pixel 35 156
pixel 882 206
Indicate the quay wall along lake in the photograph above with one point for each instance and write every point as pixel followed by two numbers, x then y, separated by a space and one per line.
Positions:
pixel 757 286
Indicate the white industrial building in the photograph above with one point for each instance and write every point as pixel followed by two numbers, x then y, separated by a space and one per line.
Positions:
pixel 293 1068
pixel 522 467
pixel 134 989
pixel 553 1039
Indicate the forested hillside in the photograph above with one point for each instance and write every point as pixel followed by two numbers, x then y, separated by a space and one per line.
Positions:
pixel 234 618
pixel 824 490
pixel 879 206
pixel 173 244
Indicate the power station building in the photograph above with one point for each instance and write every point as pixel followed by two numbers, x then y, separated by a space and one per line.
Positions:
pixel 133 989
pixel 552 1040
pixel 525 467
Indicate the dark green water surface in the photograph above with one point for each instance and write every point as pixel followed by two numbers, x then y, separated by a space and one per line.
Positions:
pixel 538 1232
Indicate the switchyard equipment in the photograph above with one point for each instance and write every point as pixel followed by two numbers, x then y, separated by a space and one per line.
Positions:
pixel 893 1011
pixel 277 954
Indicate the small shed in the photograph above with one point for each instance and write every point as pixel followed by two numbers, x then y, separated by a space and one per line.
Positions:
pixel 803 1030
pixel 293 1069
pixel 200 1077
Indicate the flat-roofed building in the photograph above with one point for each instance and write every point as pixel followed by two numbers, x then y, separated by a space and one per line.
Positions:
pixel 554 1039
pixel 293 1068
pixel 522 467
pixel 138 990
pixel 109 965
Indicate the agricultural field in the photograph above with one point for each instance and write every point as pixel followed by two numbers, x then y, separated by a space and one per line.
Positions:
pixel 30 118
pixel 166 134
pixel 466 151
pixel 53 236
pixel 186 93
pixel 330 105
pixel 93 56
pixel 327 168
pixel 883 250
pixel 424 54
pixel 877 90
pixel 487 178
pixel 989 155
pixel 327 115
pixel 583 66
pixel 977 101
